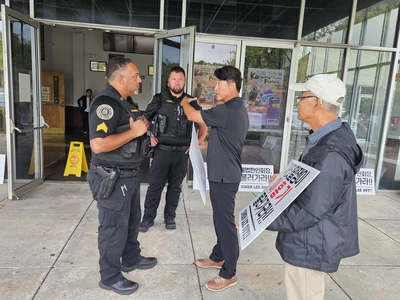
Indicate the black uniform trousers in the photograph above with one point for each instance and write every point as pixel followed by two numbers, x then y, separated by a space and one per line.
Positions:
pixel 85 121
pixel 166 166
pixel 222 197
pixel 119 218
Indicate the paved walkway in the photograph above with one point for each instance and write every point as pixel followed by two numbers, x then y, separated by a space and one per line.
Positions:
pixel 48 250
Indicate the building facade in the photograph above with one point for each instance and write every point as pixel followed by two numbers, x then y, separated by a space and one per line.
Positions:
pixel 272 42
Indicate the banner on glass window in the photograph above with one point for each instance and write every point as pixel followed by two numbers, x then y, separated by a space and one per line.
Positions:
pixel 263 97
pixel 365 182
pixel 254 178
pixel 266 207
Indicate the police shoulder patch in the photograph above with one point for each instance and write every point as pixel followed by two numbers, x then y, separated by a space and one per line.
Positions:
pixel 104 112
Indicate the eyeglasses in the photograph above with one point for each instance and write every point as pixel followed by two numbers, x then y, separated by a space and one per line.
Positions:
pixel 299 98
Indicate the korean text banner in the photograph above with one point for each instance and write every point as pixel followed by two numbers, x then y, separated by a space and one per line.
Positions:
pixel 265 208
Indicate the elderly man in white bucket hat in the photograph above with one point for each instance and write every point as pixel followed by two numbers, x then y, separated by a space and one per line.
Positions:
pixel 320 228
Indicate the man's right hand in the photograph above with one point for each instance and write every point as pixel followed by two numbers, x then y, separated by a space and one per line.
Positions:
pixel 153 141
pixel 273 178
pixel 139 126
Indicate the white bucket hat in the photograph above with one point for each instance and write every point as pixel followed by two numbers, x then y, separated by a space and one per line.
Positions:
pixel 326 87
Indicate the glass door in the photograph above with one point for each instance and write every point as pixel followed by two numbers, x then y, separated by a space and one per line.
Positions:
pixel 266 73
pixel 173 47
pixel 23 123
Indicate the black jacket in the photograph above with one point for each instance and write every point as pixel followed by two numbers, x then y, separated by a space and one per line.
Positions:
pixel 320 227
pixel 82 103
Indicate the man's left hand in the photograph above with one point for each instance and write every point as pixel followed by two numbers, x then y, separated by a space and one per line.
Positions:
pixel 203 145
pixel 188 100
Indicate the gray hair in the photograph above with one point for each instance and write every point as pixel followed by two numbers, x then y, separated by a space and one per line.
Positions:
pixel 331 108
pixel 115 66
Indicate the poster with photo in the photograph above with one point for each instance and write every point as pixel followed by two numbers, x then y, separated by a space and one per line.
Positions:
pixel 263 95
pixel 204 84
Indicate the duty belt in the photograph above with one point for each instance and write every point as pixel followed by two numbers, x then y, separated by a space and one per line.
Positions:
pixel 172 148
pixel 124 173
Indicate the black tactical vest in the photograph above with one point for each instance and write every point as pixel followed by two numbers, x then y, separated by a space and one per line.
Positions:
pixel 130 152
pixel 171 120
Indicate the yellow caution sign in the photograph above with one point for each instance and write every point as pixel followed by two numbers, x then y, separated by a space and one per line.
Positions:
pixel 76 162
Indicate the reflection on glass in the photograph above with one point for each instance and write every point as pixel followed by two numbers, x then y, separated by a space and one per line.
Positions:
pixel 318 60
pixel 363 107
pixel 143 14
pixel 21 6
pixel 375 24
pixel 391 163
pixel 265 84
pixel 172 14
pixel 326 21
pixel 25 113
pixel 209 57
pixel 272 19
pixel 312 61
pixel 171 53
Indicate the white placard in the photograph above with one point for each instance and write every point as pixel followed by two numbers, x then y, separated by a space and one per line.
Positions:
pixel 196 184
pixel 199 172
pixel 365 182
pixel 254 178
pixel 2 167
pixel 266 207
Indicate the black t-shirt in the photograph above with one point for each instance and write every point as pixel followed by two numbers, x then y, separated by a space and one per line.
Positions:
pixel 229 124
pixel 105 115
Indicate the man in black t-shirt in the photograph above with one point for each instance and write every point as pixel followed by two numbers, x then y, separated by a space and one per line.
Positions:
pixel 229 123
pixel 115 137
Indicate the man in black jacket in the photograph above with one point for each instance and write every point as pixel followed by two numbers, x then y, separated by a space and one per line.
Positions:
pixel 84 104
pixel 320 228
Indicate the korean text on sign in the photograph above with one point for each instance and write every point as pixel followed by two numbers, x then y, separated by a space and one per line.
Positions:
pixel 264 209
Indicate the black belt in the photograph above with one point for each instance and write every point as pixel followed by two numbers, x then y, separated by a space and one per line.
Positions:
pixel 104 171
pixel 172 148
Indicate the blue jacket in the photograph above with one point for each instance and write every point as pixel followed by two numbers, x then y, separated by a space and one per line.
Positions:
pixel 320 227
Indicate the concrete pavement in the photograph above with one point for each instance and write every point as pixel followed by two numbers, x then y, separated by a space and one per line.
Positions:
pixel 48 250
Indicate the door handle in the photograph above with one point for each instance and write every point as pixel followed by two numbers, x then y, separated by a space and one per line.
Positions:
pixel 43 124
pixel 13 127
pixel 53 104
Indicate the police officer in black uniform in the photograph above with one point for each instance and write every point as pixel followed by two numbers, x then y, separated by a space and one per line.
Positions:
pixel 171 138
pixel 116 136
